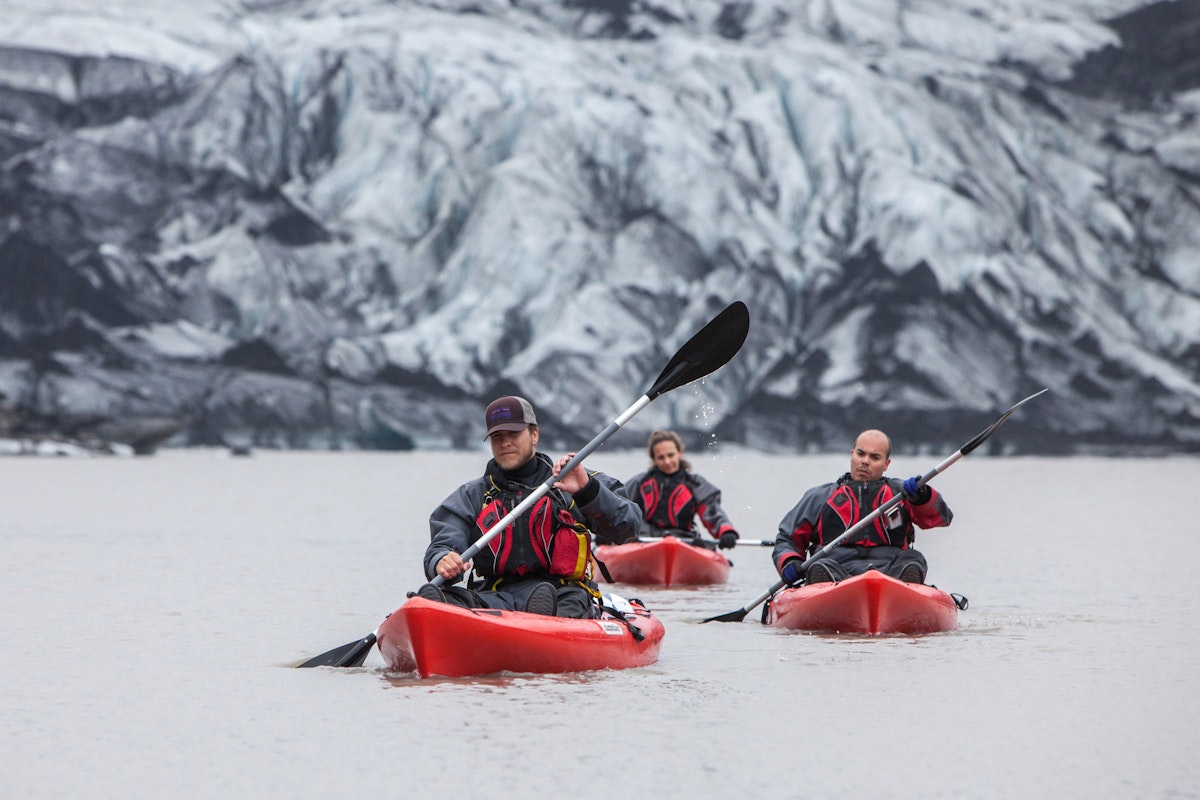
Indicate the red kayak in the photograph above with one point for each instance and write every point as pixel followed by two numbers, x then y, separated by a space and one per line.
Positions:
pixel 432 638
pixel 664 562
pixel 871 603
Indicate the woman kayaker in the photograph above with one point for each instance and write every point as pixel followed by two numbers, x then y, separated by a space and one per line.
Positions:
pixel 542 562
pixel 670 495
pixel 826 511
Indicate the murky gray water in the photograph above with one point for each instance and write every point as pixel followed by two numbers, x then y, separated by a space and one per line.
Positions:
pixel 152 608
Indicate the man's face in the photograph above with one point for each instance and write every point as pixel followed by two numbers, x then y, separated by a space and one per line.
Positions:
pixel 511 449
pixel 869 458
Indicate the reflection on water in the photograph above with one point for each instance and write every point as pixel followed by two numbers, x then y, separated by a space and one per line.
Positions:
pixel 151 604
pixel 402 680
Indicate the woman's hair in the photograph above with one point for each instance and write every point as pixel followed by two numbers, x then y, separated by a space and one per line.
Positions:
pixel 658 437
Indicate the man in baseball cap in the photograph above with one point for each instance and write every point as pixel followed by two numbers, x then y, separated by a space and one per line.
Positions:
pixel 542 562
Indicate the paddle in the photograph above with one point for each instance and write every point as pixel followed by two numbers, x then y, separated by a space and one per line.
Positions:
pixel 740 614
pixel 710 544
pixel 711 348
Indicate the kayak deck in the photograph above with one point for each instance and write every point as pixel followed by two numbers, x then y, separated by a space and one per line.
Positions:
pixel 432 638
pixel 668 561
pixel 871 603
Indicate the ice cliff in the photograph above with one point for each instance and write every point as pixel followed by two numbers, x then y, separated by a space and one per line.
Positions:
pixel 351 223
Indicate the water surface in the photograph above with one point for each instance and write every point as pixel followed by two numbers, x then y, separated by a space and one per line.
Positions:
pixel 153 607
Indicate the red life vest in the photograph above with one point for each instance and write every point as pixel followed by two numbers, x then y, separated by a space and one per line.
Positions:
pixel 667 501
pixel 853 500
pixel 545 540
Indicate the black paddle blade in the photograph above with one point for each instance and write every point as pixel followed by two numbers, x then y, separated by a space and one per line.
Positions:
pixel 351 654
pixel 740 614
pixel 978 440
pixel 710 349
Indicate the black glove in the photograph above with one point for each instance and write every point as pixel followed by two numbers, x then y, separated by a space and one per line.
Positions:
pixel 915 491
pixel 728 540
pixel 793 571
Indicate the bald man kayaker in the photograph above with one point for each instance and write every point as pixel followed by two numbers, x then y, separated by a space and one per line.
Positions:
pixel 542 563
pixel 827 511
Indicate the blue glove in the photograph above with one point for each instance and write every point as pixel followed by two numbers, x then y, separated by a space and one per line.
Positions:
pixel 728 540
pixel 793 571
pixel 915 491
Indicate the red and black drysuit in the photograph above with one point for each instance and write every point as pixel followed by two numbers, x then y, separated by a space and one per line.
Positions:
pixel 549 542
pixel 670 504
pixel 827 511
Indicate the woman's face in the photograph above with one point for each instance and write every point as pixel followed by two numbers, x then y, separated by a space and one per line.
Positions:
pixel 666 457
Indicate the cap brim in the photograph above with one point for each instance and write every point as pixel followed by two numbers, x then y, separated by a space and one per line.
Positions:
pixel 507 426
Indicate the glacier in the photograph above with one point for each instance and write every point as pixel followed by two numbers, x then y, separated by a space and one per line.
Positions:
pixel 352 223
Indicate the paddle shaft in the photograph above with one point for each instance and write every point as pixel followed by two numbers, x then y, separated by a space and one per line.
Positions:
pixel 740 614
pixel 740 542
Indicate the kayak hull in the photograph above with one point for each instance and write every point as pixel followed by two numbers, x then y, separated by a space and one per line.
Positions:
pixel 664 562
pixel 871 603
pixel 432 638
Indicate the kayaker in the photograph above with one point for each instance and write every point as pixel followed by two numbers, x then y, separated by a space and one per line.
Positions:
pixel 670 496
pixel 828 510
pixel 542 563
